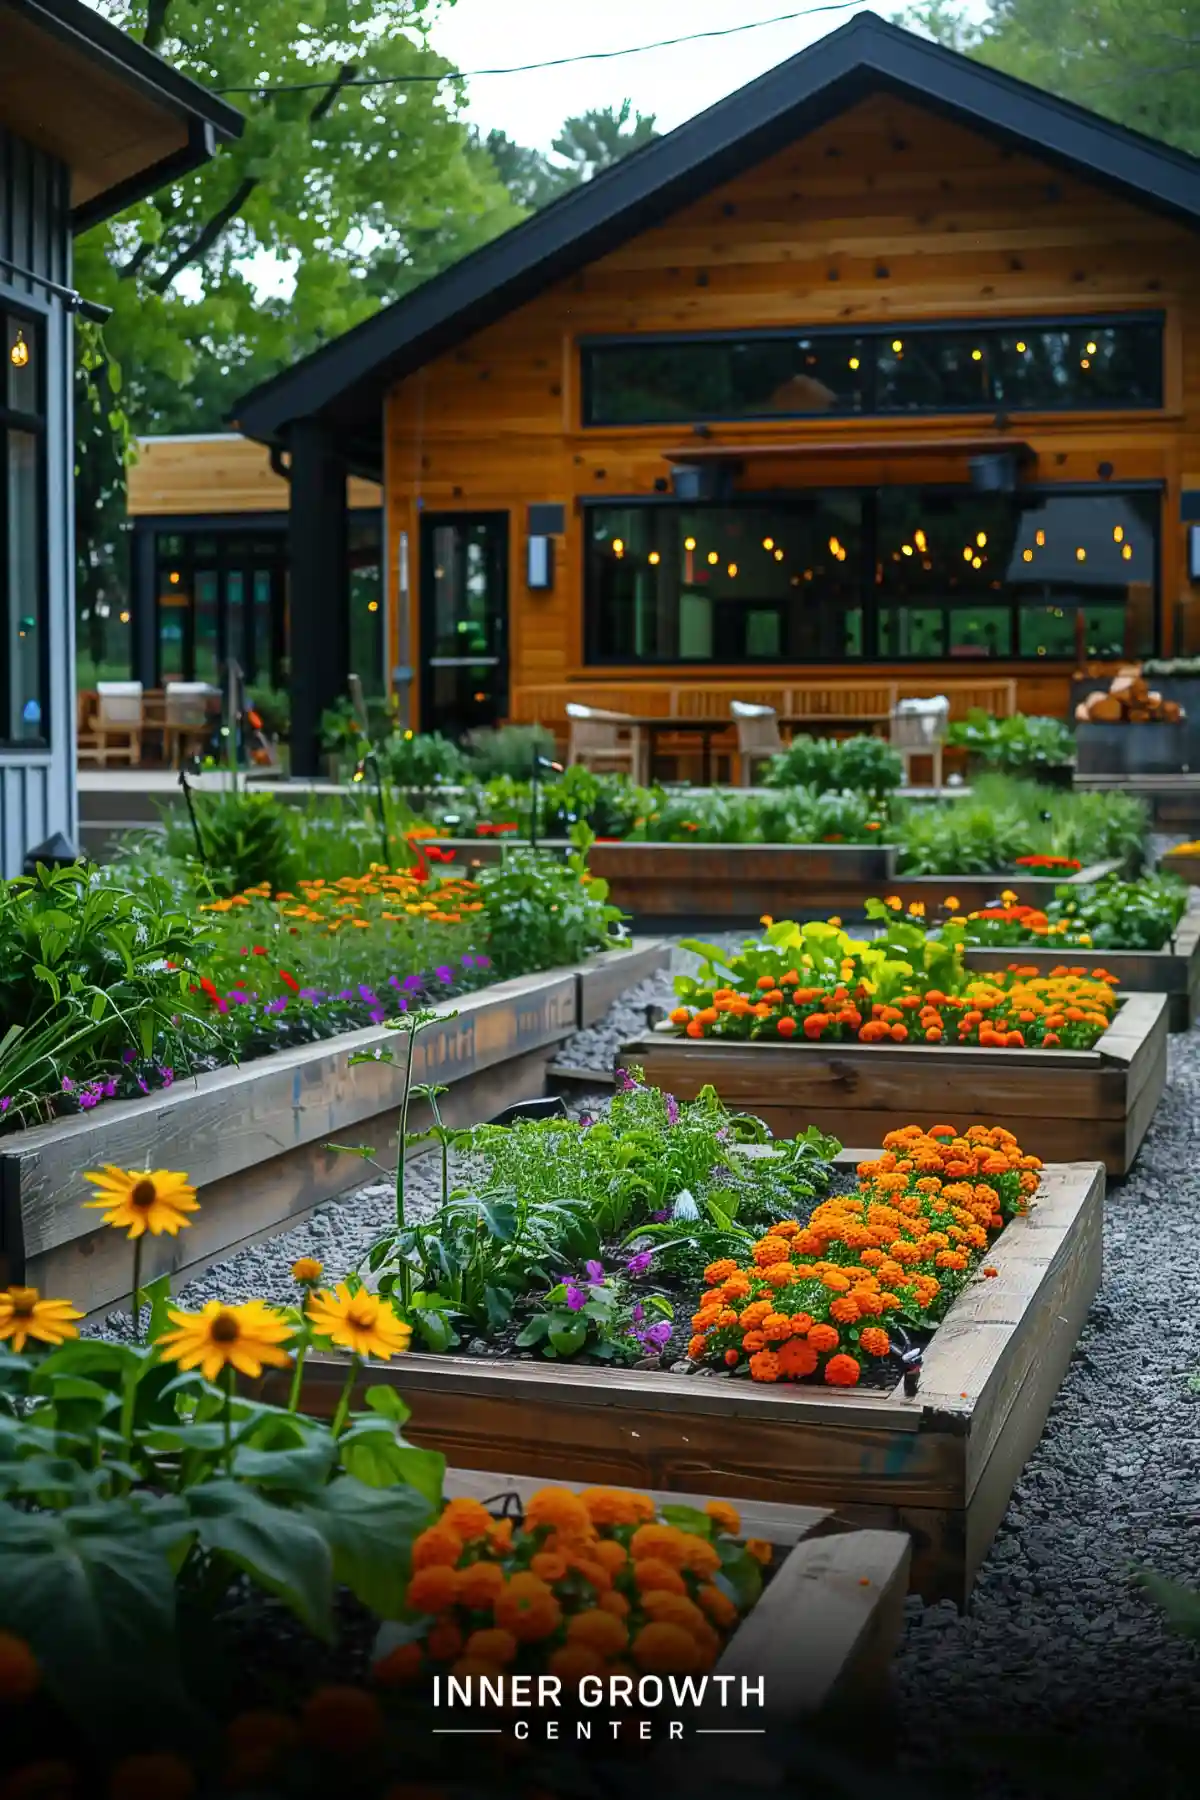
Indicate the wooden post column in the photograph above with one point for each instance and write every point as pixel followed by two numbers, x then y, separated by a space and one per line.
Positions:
pixel 319 610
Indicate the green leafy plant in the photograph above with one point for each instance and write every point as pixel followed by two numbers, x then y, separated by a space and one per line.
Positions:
pixel 507 750
pixel 1018 745
pixel 858 764
pixel 245 836
pixel 542 912
pixel 422 759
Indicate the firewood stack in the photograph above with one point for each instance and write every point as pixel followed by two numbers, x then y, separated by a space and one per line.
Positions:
pixel 1129 700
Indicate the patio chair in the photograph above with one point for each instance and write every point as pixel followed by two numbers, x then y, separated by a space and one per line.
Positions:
pixel 87 744
pixel 918 728
pixel 188 708
pixel 605 742
pixel 118 728
pixel 757 737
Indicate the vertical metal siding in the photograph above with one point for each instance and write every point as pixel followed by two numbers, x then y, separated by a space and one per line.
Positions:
pixel 37 787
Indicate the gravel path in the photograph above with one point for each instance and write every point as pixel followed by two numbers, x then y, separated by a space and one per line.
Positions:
pixel 1057 1632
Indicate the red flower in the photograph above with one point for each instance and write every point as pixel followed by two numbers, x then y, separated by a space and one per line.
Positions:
pixel 289 981
pixel 258 950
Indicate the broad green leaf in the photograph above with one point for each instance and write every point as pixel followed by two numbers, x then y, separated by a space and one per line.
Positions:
pixel 304 1467
pixel 370 1531
pixel 567 1339
pixel 534 1332
pixel 277 1548
pixel 740 1575
pixel 688 1518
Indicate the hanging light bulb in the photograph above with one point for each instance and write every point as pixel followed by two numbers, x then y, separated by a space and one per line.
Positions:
pixel 898 346
pixel 618 547
pixel 854 362
pixel 713 558
pixel 834 547
pixel 689 543
pixel 654 559
pixel 18 356
pixel 968 553
pixel 1041 539
pixel 981 539
pixel 906 549
pixel 779 556
pixel 372 606
pixel 1127 551
pixel 920 540
pixel 1027 555
pixel 731 571
pixel 977 562
pixel 1081 554
pixel 1118 534
pixel 977 356
pixel 768 543
pixel 1020 346
pixel 1091 349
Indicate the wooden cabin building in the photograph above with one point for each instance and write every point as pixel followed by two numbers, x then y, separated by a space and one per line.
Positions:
pixel 90 123
pixel 881 376
pixel 210 564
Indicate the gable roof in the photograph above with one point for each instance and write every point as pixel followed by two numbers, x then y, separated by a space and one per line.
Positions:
pixel 342 382
pixel 122 120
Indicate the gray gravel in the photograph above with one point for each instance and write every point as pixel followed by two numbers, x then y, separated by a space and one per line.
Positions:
pixel 1056 1629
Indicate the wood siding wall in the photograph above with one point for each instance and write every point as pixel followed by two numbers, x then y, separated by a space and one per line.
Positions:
pixel 218 474
pixel 887 214
pixel 37 786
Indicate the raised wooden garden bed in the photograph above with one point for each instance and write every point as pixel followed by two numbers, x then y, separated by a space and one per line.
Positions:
pixel 1186 865
pixel 1174 971
pixel 735 884
pixel 939 1464
pixel 1062 1104
pixel 827 1625
pixel 254 1139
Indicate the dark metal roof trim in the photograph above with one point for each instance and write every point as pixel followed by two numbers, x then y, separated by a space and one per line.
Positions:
pixel 864 56
pixel 210 120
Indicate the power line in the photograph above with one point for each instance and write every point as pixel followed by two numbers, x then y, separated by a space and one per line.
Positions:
pixel 558 62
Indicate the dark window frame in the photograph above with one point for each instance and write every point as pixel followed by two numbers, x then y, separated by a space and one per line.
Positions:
pixel 870 332
pixel 39 322
pixel 868 588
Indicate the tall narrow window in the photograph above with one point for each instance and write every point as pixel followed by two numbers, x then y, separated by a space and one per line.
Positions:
pixel 22 533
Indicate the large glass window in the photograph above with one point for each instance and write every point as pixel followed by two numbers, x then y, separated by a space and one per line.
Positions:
pixel 902 574
pixel 727 584
pixel 1037 366
pixel 22 533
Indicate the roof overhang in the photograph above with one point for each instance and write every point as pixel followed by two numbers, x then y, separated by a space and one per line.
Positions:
pixel 342 383
pixel 121 119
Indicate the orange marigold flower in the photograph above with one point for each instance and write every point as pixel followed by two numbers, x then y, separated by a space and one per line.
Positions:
pixel 651 1574
pixel 436 1545
pixel 613 1603
pixel 665 1542
pixel 824 1337
pixel 548 1565
pixel 674 1609
pixel 874 1340
pixel 468 1518
pixel 769 1249
pixel 761 1550
pixel 616 1506
pixel 725 1517
pixel 434 1589
pixel 445 1641
pixel 662 1649
pixel 478 1585
pixel 718 1606
pixel 571 1662
pixel 720 1270
pixel 842 1371
pixel 528 1609
pixel 600 1630
pixel 560 1508
pixel 797 1358
pixel 844 1309
pixel 764 1366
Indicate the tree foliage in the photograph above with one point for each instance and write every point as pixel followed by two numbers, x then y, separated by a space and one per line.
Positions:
pixel 587 144
pixel 1133 62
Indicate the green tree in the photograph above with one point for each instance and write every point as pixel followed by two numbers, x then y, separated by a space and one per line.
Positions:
pixel 355 192
pixel 1136 63
pixel 587 143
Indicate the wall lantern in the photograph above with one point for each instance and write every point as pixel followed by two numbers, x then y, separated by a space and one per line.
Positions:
pixel 545 523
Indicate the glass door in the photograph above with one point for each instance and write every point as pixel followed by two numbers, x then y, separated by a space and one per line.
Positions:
pixel 464 621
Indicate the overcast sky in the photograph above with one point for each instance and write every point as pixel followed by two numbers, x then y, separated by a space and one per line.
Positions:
pixel 672 83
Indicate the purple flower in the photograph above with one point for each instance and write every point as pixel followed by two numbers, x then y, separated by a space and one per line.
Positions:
pixel 595 1270
pixel 87 1099
pixel 68 1085
pixel 625 1083
pixel 577 1297
pixel 658 1336
pixel 468 962
pixel 393 981
pixel 167 1075
pixel 639 1313
pixel 5 1103
pixel 378 1014
pixel 346 994
pixel 413 983
pixel 444 973
pixel 238 998
pixel 586 1122
pixel 368 994
pixel 315 995
pixel 672 1109
pixel 275 1007
pixel 108 1088
pixel 483 962
pixel 660 1218
pixel 639 1263
pixel 143 1084
pixel 128 1056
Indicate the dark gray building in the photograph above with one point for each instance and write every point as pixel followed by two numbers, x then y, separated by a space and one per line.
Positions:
pixel 90 122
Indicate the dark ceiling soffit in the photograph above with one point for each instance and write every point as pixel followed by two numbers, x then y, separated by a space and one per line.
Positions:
pixel 130 62
pixel 201 145
pixel 789 101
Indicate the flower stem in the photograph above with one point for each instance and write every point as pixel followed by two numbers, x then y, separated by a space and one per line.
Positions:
pixel 293 1404
pixel 343 1405
pixel 227 1420
pixel 135 1305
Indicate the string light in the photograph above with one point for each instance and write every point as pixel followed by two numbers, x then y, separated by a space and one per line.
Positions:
pixel 1020 347
pixel 898 346
pixel 977 562
pixel 981 539
pixel 1081 554
pixel 731 571
pixel 124 618
pixel 372 606
pixel 968 553
pixel 689 543
pixel 1040 539
pixel 173 578
pixel 854 362
pixel 1084 363
pixel 654 559
pixel 713 558
pixel 835 547
pixel 906 549
pixel 768 543
pixel 1091 349
pixel 18 356
pixel 779 556
pixel 618 546
pixel 1027 555
pixel 977 356
pixel 1118 534
pixel 1127 551
pixel 920 540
